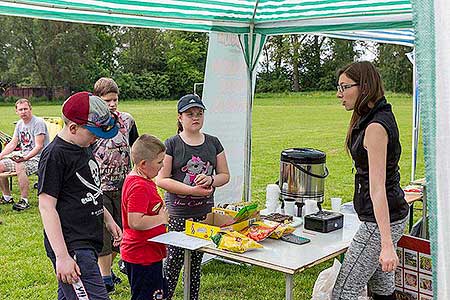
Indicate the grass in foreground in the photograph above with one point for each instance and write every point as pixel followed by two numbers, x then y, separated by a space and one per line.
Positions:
pixel 280 121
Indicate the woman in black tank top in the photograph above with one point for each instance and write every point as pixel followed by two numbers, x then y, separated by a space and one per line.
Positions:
pixel 373 142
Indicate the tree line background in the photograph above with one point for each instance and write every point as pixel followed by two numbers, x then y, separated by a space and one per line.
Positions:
pixel 162 64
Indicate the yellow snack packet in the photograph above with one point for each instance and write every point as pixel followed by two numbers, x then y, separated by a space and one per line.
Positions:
pixel 234 241
pixel 281 230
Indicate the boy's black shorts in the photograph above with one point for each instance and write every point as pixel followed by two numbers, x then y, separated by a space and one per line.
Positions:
pixel 112 202
pixel 147 282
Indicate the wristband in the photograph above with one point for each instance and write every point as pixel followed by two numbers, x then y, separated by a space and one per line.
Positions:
pixel 212 181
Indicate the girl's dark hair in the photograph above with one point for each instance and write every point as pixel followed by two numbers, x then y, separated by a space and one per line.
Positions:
pixel 179 126
pixel 371 90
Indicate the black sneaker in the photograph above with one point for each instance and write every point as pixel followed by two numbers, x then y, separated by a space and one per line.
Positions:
pixel 122 267
pixel 3 201
pixel 115 279
pixel 110 288
pixel 21 205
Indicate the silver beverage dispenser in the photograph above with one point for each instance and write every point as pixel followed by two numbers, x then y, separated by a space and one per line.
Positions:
pixel 302 176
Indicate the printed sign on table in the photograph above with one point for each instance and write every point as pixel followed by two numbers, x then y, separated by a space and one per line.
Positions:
pixel 413 276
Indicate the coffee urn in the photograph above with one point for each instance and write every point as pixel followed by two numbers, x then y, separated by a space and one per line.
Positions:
pixel 302 176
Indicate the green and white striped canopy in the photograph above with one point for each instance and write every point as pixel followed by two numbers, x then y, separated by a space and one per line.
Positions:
pixel 236 16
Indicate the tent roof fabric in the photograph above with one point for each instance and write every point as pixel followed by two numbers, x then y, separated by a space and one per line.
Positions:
pixel 236 16
pixel 404 37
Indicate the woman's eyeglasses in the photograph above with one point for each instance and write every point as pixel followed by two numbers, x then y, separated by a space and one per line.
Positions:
pixel 104 128
pixel 343 86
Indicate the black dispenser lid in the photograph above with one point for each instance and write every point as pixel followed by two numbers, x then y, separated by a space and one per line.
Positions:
pixel 303 156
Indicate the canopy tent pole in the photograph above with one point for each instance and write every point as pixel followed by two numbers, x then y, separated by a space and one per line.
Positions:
pixel 416 123
pixel 248 132
pixel 415 117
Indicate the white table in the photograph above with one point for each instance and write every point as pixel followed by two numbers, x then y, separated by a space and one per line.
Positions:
pixel 284 257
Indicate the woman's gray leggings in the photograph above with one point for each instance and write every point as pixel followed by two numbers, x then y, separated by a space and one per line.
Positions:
pixel 361 266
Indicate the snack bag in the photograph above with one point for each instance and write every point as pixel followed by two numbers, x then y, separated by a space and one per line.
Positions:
pixel 281 230
pixel 276 217
pixel 243 214
pixel 234 242
pixel 259 231
pixel 246 212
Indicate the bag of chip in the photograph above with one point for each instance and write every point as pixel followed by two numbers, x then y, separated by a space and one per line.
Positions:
pixel 259 231
pixel 234 241
pixel 244 213
pixel 281 230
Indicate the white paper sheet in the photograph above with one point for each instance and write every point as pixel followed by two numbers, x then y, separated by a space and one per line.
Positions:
pixel 180 239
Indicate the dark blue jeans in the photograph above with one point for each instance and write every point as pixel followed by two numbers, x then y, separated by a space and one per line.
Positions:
pixel 90 286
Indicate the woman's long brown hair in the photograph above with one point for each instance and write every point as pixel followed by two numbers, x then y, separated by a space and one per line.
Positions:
pixel 371 90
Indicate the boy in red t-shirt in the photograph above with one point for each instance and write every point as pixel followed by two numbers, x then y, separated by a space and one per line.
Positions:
pixel 143 217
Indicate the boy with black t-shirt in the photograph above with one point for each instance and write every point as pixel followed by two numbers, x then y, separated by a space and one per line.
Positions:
pixel 70 198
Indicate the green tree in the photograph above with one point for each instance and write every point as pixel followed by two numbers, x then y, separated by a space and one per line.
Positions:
pixel 186 60
pixel 142 50
pixel 52 54
pixel 276 75
pixel 311 62
pixel 340 53
pixel 395 68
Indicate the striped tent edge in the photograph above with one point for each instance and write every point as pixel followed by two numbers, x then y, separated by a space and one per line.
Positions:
pixel 232 16
pixel 423 19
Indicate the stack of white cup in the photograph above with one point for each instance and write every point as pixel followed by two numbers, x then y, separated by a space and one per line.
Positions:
pixel 290 208
pixel 310 207
pixel 272 197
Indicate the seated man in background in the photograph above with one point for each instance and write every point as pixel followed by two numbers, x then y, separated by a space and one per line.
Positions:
pixel 32 135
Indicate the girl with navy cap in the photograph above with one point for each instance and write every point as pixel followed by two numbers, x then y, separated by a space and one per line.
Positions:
pixel 194 165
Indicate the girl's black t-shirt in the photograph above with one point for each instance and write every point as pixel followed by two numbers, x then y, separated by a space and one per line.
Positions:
pixel 187 162
pixel 71 175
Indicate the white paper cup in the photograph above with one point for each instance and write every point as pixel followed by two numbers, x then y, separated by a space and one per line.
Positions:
pixel 271 207
pixel 289 208
pixel 272 197
pixel 336 204
pixel 272 191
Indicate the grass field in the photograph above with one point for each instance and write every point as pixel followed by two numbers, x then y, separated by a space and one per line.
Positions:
pixel 279 121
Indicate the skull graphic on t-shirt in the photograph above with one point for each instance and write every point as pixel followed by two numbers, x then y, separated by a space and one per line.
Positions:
pixel 95 172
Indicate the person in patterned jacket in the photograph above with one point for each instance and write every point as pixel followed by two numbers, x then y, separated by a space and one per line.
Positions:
pixel 113 156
